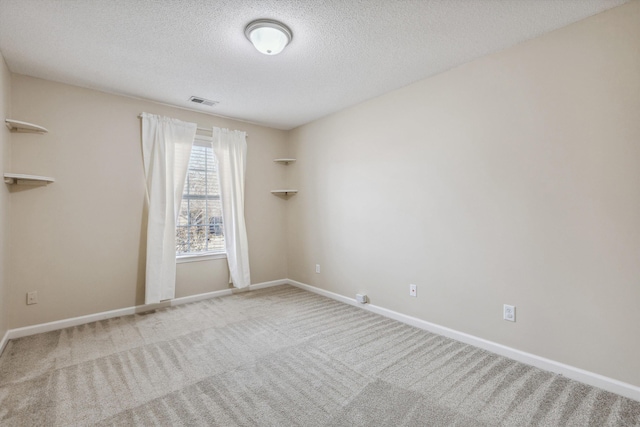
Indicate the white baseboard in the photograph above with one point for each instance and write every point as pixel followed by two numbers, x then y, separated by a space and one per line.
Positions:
pixel 199 297
pixel 81 320
pixel 66 323
pixel 3 343
pixel 577 374
pixel 269 284
pixel 590 378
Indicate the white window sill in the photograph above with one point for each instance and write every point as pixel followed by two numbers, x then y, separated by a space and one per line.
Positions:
pixel 199 257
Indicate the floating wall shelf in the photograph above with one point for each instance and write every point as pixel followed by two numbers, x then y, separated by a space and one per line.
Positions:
pixel 19 178
pixel 284 161
pixel 284 192
pixel 22 179
pixel 18 126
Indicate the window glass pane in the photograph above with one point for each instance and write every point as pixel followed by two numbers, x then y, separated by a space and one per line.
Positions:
pixel 198 158
pixel 183 215
pixel 182 240
pixel 199 225
pixel 212 183
pixel 198 239
pixel 216 243
pixel 197 183
pixel 214 211
pixel 197 214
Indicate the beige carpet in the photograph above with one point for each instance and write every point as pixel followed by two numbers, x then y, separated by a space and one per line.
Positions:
pixel 281 357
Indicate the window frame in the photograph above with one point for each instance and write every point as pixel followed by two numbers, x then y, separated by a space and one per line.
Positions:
pixel 199 256
pixel 201 141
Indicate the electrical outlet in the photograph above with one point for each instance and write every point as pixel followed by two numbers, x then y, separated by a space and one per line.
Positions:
pixel 32 297
pixel 509 312
pixel 413 290
pixel 318 268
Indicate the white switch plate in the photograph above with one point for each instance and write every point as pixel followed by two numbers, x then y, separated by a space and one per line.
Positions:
pixel 413 290
pixel 509 313
pixel 318 268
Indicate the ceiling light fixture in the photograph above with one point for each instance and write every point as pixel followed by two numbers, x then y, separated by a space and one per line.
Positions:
pixel 268 36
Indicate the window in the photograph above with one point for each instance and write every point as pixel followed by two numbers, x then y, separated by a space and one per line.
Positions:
pixel 199 225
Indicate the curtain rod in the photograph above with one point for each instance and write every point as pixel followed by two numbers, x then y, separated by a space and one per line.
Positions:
pixel 200 128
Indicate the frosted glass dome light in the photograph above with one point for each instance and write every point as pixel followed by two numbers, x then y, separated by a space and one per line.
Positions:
pixel 269 37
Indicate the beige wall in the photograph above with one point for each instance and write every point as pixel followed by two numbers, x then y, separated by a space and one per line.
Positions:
pixel 80 241
pixel 512 179
pixel 5 157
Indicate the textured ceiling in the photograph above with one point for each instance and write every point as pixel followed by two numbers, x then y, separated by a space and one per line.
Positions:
pixel 343 51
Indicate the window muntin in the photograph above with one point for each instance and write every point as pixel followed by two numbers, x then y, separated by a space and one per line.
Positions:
pixel 199 225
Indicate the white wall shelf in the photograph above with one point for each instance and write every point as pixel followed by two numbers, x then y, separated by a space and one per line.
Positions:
pixel 18 126
pixel 19 178
pixel 22 179
pixel 284 161
pixel 285 192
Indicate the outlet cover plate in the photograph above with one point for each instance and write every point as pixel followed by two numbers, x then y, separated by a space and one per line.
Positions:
pixel 509 312
pixel 413 290
pixel 32 297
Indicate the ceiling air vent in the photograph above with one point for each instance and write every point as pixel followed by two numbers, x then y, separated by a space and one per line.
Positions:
pixel 203 101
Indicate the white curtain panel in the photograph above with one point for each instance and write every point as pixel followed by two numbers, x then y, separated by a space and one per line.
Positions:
pixel 166 148
pixel 230 148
